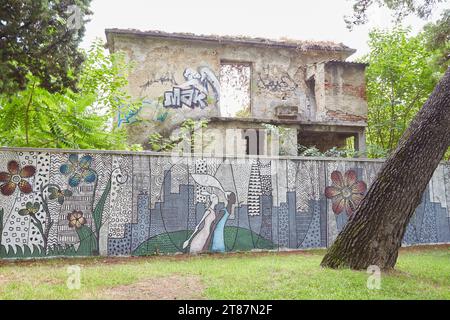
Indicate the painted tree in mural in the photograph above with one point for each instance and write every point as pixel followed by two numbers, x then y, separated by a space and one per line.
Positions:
pixel 375 231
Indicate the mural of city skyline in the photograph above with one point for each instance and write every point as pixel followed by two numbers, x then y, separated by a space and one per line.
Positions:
pixel 55 203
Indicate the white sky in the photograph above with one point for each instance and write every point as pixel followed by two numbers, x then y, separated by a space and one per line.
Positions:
pixel 296 19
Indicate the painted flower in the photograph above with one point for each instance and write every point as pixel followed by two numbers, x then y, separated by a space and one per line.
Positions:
pixel 346 192
pixel 15 177
pixel 76 219
pixel 59 194
pixel 30 209
pixel 78 170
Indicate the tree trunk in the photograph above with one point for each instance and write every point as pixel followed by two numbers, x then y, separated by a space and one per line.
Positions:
pixel 374 234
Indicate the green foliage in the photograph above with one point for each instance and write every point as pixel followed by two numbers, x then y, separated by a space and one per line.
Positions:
pixel 159 143
pixel 136 147
pixel 105 76
pixel 37 38
pixel 35 117
pixel 399 80
pixel 191 131
pixel 437 40
pixel 400 9
pixel 335 152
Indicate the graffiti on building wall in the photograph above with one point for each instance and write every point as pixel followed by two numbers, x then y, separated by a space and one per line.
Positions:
pixel 69 204
pixel 190 97
pixel 200 89
pixel 166 78
pixel 194 92
pixel 276 81
pixel 149 111
pixel 127 116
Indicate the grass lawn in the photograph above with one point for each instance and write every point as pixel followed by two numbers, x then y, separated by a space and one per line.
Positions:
pixel 421 273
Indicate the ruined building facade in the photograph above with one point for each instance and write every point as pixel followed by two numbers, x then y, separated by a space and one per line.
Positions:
pixel 240 85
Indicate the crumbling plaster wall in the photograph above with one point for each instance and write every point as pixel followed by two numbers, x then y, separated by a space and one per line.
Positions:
pixel 278 78
pixel 158 67
pixel 340 91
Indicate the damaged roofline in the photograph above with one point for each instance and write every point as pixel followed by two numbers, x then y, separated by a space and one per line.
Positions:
pixel 290 44
pixel 348 63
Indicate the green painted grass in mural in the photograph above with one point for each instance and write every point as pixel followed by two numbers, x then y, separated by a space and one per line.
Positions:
pixel 420 274
pixel 171 242
pixel 17 252
pixel 236 239
pixel 241 239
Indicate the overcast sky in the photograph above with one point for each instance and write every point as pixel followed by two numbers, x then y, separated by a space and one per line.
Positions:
pixel 296 19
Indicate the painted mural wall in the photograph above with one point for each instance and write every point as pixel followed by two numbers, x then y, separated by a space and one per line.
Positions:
pixel 55 203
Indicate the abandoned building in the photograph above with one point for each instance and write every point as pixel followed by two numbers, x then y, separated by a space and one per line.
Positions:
pixel 305 87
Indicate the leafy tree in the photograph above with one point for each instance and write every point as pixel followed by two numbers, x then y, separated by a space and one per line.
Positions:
pixel 400 9
pixel 399 80
pixel 190 132
pixel 41 38
pixel 437 40
pixel 375 232
pixel 36 117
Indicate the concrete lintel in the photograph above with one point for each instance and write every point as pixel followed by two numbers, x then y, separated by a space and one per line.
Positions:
pixel 357 126
pixel 350 130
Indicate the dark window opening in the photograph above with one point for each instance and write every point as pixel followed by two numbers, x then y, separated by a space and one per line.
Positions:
pixel 323 141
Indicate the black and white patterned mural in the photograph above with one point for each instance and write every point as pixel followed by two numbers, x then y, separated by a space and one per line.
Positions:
pixel 55 203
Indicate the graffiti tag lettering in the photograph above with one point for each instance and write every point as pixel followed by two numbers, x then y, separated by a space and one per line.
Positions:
pixel 127 117
pixel 284 84
pixel 191 97
pixel 274 81
pixel 194 92
pixel 166 78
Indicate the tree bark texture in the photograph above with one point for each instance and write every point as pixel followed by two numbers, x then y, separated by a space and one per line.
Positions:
pixel 374 234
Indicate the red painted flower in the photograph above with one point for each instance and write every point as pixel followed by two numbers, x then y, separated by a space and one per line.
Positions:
pixel 345 192
pixel 15 177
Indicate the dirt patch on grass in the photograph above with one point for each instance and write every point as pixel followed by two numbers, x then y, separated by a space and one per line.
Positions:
pixel 175 287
